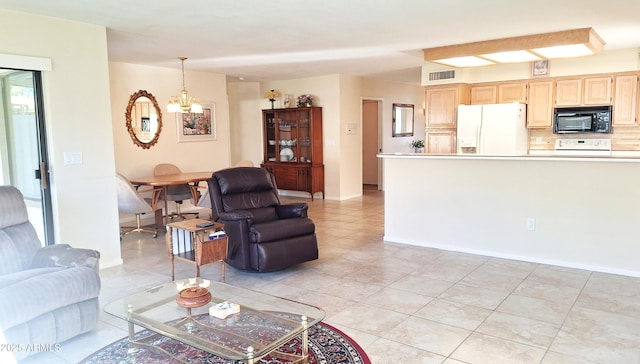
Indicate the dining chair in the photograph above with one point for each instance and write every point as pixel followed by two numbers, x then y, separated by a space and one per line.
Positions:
pixel 177 193
pixel 131 201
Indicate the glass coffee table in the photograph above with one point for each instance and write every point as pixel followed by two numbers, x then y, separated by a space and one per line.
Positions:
pixel 263 324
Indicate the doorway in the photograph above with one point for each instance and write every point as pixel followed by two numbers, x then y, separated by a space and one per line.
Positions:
pixel 371 143
pixel 23 148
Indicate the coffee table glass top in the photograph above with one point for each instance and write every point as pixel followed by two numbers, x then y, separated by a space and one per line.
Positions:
pixel 263 324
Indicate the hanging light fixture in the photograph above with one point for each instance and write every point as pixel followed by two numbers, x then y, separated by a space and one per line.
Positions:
pixel 184 103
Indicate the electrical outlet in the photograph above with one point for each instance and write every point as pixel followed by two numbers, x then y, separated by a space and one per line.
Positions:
pixel 538 140
pixel 531 223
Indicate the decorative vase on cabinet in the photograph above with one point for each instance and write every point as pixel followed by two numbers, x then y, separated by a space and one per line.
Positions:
pixel 293 148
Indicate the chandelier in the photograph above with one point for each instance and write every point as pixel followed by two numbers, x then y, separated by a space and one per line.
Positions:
pixel 185 103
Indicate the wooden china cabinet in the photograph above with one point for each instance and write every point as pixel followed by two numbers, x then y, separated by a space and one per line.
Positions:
pixel 292 143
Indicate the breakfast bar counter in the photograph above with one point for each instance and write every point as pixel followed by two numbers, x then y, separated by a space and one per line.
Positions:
pixel 580 212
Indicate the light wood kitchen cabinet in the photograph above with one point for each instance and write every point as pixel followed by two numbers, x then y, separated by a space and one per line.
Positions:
pixel 512 92
pixel 569 92
pixel 442 105
pixel 441 142
pixel 483 94
pixel 597 91
pixel 540 105
pixel 625 106
pixel 584 91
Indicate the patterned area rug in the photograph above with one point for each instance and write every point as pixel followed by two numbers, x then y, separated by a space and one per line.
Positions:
pixel 327 345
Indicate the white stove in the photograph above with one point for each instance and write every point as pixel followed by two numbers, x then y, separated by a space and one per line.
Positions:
pixel 583 147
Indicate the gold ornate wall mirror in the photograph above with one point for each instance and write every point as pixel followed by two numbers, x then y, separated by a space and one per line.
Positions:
pixel 402 124
pixel 144 119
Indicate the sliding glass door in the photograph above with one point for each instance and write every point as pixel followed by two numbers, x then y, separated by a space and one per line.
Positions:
pixel 23 149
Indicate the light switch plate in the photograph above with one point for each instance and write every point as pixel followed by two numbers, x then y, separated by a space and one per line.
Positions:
pixel 72 158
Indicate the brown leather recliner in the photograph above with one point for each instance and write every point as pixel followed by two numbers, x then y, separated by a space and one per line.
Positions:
pixel 264 235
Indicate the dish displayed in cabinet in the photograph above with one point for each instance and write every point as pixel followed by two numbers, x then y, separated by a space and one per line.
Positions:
pixel 288 142
pixel 286 155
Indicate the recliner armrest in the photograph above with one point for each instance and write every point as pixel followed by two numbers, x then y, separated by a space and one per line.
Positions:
pixel 292 210
pixel 236 215
pixel 63 255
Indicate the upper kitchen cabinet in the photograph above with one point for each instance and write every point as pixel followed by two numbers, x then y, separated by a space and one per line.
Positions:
pixel 625 104
pixel 569 92
pixel 540 105
pixel 442 105
pixel 483 94
pixel 584 91
pixel 597 90
pixel 512 92
pixel 501 93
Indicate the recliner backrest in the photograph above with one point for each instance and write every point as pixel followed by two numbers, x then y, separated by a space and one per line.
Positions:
pixel 242 188
pixel 18 238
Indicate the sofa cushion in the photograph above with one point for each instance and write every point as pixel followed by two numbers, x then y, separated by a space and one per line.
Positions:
pixel 17 277
pixel 280 229
pixel 40 293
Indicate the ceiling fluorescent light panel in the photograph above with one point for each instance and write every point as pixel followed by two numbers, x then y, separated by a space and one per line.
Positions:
pixel 460 62
pixel 511 57
pixel 568 43
pixel 565 51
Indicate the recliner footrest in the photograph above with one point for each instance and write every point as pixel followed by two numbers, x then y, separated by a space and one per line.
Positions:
pixel 280 229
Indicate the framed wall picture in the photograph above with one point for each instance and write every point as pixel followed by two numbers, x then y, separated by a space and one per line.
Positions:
pixel 540 68
pixel 197 127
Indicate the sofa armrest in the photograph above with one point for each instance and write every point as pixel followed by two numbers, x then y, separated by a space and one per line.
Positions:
pixel 292 210
pixel 63 255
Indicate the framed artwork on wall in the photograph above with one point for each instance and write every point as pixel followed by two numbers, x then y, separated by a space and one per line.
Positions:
pixel 197 127
pixel 540 68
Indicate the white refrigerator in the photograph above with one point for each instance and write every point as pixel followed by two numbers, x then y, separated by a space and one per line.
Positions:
pixel 492 129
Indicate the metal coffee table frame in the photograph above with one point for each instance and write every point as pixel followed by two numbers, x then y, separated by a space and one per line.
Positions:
pixel 283 320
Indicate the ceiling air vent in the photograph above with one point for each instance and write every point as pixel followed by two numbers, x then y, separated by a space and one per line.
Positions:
pixel 442 75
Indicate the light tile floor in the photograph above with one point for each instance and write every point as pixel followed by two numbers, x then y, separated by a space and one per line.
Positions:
pixel 407 304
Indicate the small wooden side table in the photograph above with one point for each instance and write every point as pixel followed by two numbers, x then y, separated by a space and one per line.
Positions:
pixel 194 245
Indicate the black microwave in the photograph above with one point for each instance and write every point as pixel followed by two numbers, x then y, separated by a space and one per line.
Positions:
pixel 587 119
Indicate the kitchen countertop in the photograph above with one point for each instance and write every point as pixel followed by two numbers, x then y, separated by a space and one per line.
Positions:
pixel 527 157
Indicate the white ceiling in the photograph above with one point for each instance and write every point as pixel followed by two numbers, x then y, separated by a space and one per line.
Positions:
pixel 284 39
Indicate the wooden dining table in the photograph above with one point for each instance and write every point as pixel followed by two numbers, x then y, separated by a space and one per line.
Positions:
pixel 164 181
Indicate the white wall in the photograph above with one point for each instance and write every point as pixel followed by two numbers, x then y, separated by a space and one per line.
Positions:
pixel 245 121
pixel 340 97
pixel 162 83
pixel 78 119
pixel 585 211
pixel 400 94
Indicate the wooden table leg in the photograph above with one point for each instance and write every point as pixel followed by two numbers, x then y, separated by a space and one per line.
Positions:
pixel 165 191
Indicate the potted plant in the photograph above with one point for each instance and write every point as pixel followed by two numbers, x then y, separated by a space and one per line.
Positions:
pixel 305 101
pixel 417 146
